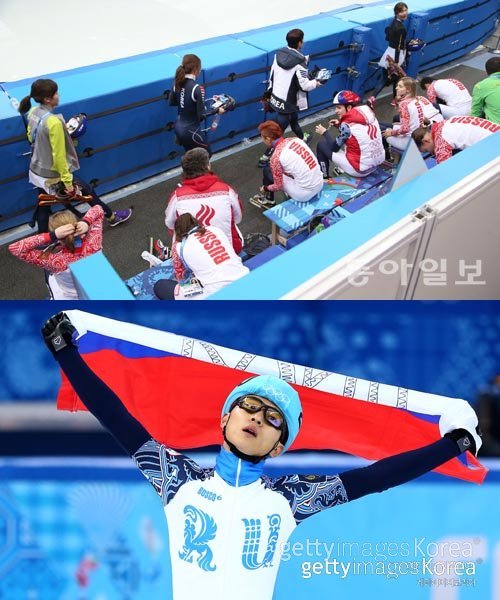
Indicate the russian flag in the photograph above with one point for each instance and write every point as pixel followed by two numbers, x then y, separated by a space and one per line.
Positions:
pixel 175 386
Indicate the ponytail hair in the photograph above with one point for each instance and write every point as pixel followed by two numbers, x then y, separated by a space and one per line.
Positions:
pixel 40 89
pixel 64 217
pixel 190 64
pixel 184 224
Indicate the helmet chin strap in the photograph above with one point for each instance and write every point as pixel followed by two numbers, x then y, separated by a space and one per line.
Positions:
pixel 242 455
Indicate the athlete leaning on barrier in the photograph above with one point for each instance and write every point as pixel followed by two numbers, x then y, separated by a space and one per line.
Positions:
pixel 228 525
pixel 54 158
pixel 189 97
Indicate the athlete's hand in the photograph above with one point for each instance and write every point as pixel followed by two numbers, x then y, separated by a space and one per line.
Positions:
pixel 461 425
pixel 69 189
pixel 58 332
pixel 64 230
pixel 81 228
pixel 320 129
pixel 387 133
pixel 334 122
pixel 221 111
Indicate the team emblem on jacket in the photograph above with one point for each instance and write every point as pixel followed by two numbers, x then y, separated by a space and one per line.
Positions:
pixel 199 529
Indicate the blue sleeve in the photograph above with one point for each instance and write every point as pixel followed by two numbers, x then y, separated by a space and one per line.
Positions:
pixel 166 469
pixel 398 469
pixel 310 494
pixel 101 401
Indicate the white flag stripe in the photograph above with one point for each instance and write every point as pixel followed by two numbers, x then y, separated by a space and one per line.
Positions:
pixel 351 387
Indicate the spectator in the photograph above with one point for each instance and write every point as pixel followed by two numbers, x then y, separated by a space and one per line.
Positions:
pixel 54 158
pixel 450 95
pixel 204 262
pixel 205 196
pixel 414 111
pixel 486 93
pixel 358 149
pixel 293 168
pixel 448 137
pixel 69 240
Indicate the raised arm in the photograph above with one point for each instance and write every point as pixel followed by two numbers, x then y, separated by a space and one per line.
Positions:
pixel 309 494
pixel 401 468
pixel 102 402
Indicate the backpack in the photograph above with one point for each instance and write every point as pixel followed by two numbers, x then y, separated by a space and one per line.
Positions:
pixel 255 243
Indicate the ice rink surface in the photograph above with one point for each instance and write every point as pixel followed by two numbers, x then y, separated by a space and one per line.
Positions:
pixel 39 38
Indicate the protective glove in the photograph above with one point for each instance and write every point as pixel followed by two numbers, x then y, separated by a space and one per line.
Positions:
pixel 58 332
pixel 462 427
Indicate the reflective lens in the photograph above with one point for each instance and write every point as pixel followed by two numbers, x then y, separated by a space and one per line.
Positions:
pixel 254 404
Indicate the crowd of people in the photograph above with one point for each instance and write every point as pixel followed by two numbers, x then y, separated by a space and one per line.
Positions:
pixel 444 121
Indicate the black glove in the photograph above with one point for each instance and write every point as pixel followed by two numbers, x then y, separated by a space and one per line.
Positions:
pixel 58 332
pixel 464 439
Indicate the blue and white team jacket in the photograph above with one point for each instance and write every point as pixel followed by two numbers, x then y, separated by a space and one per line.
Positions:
pixel 228 525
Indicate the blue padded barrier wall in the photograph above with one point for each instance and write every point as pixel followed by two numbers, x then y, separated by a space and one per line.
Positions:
pixel 130 134
pixel 455 28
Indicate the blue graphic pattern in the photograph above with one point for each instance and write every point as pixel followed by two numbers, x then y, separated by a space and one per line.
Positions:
pixel 290 215
pixel 199 530
pixel 308 494
pixel 251 544
pixel 167 470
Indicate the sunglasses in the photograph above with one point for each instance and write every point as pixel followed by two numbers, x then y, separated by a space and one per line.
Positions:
pixel 254 404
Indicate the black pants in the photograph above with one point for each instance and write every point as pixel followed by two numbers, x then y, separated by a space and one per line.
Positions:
pixel 386 80
pixel 42 213
pixel 164 289
pixel 267 179
pixel 324 151
pixel 291 119
pixel 189 136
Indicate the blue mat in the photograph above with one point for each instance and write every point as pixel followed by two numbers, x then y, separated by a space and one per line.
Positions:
pixel 143 283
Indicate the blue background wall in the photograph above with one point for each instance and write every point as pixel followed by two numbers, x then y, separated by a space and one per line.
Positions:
pixel 448 348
